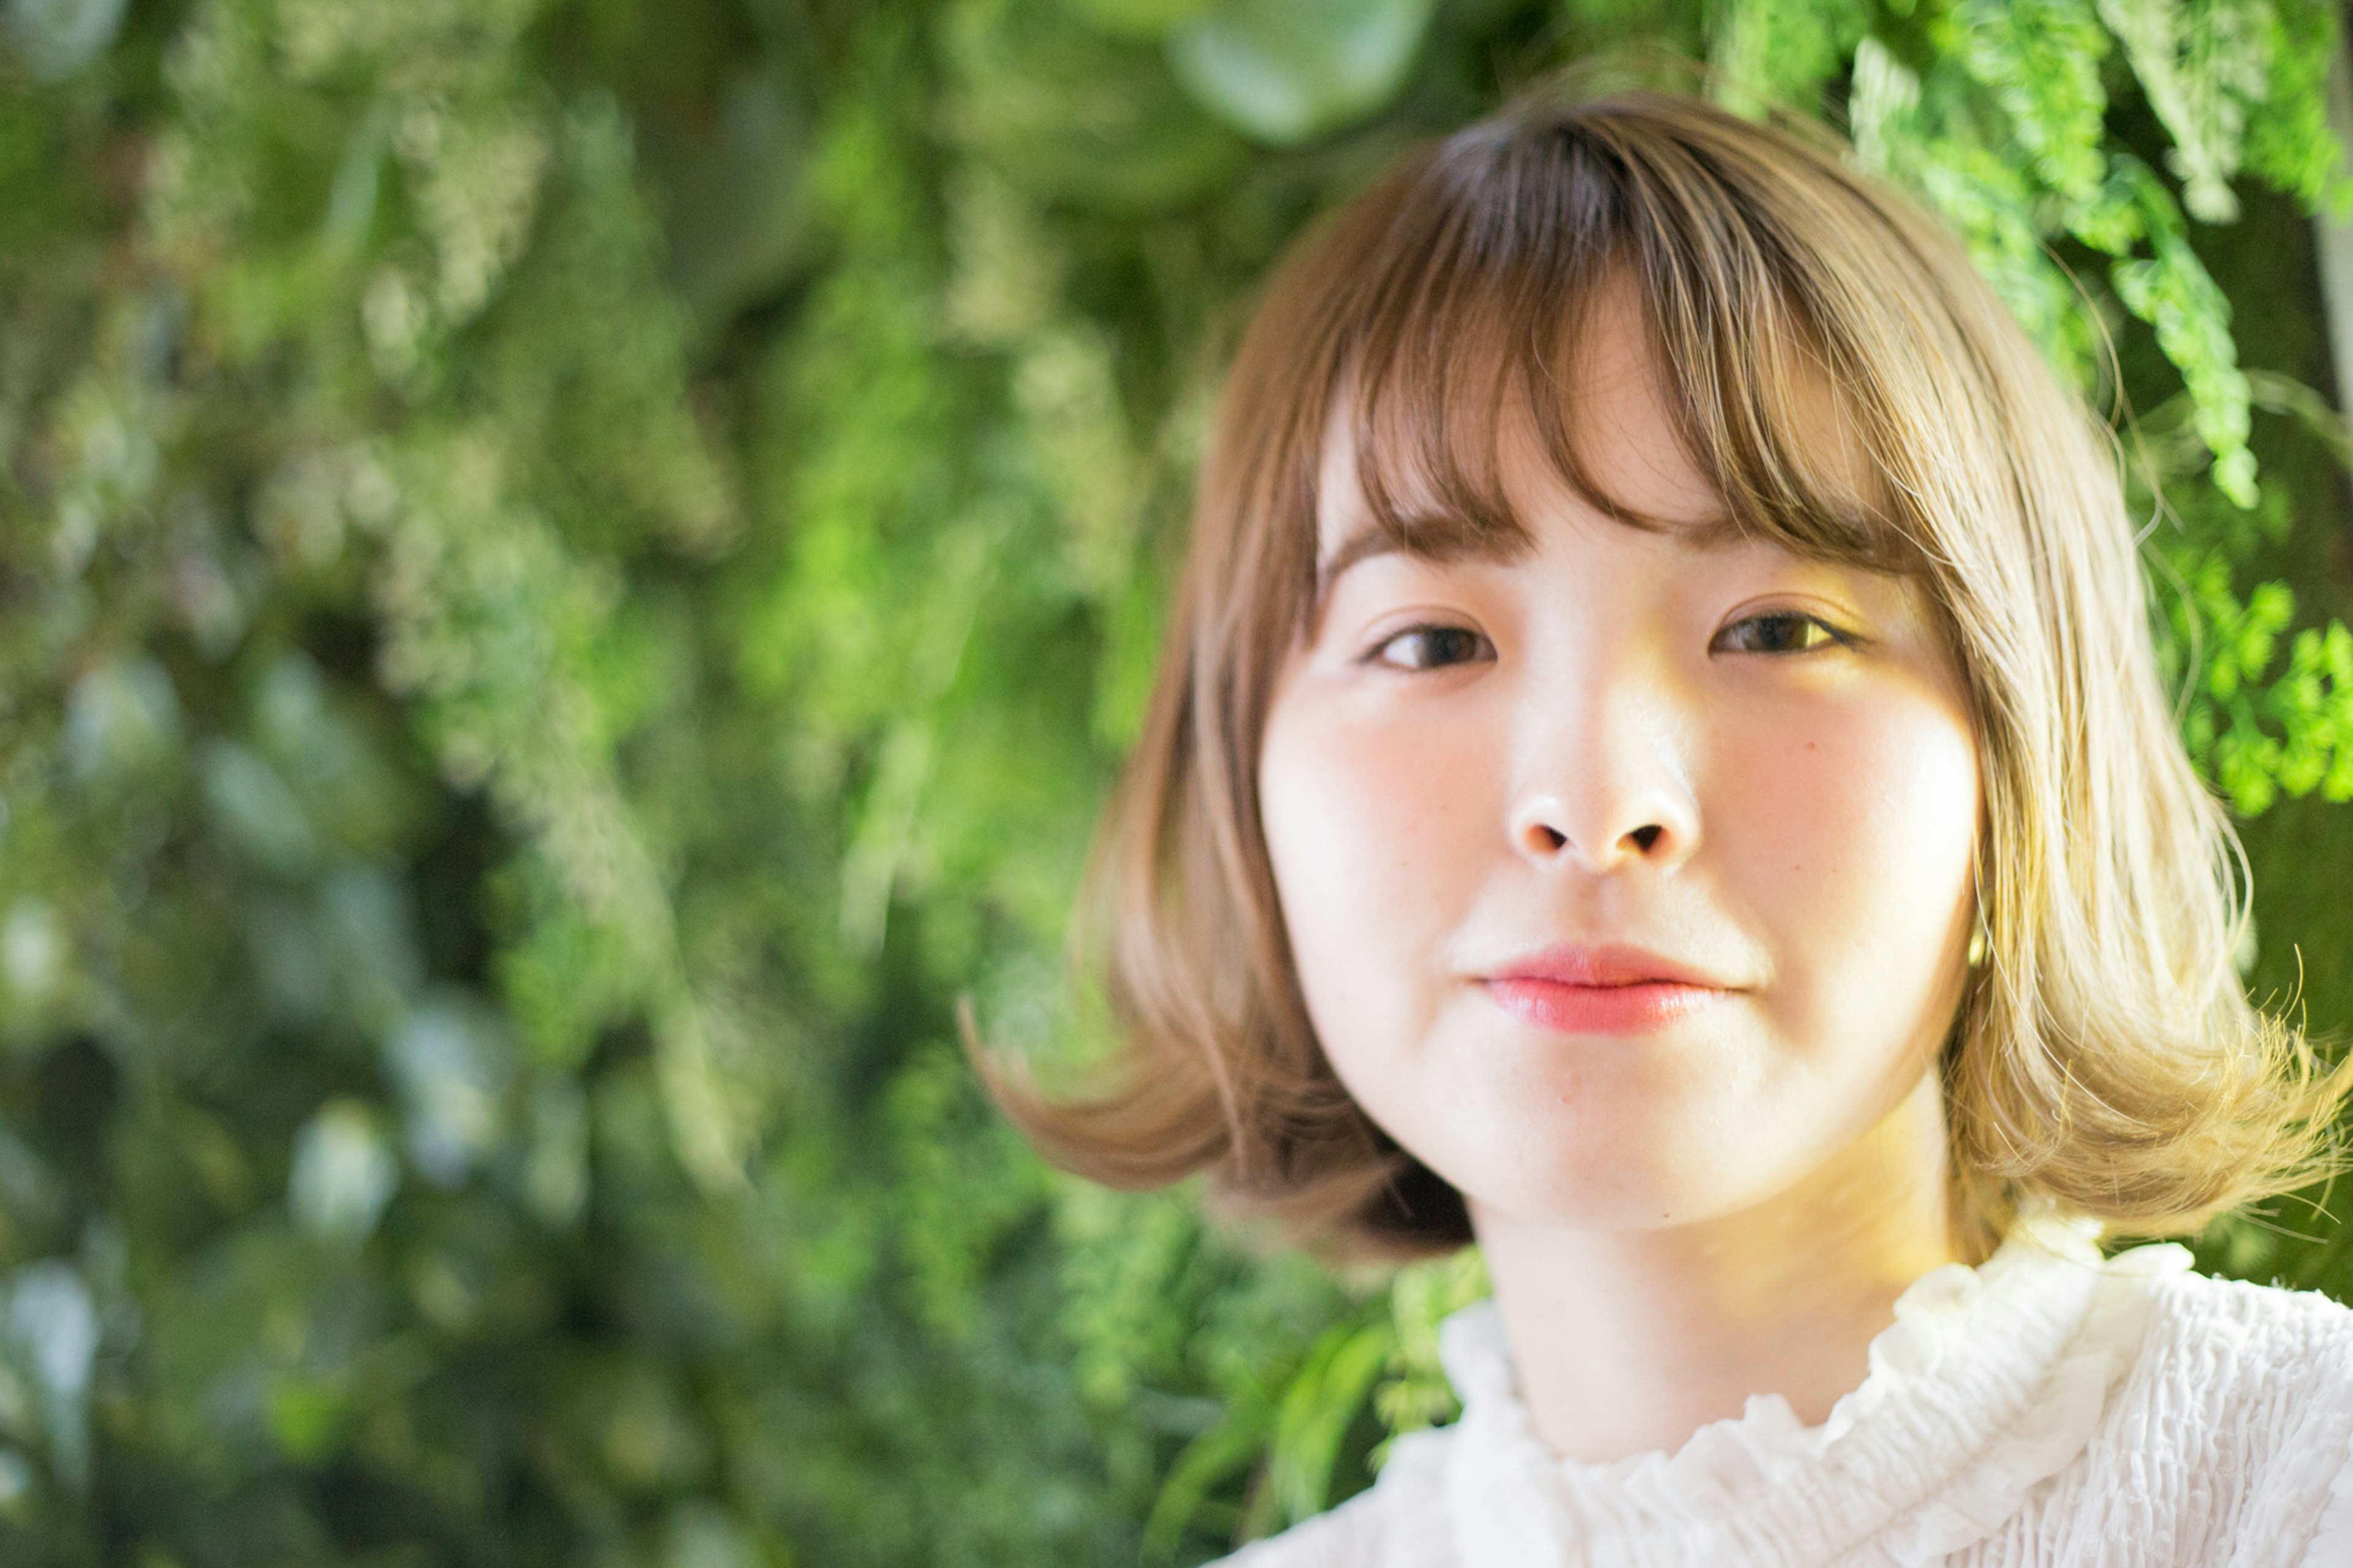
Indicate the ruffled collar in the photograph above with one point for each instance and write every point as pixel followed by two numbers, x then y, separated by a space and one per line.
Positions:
pixel 1991 1380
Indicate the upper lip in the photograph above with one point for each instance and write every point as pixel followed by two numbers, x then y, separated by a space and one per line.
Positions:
pixel 1611 963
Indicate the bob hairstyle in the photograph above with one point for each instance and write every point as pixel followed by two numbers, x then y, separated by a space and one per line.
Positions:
pixel 2103 1060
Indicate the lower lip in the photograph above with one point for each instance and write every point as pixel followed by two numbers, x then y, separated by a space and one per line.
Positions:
pixel 1599 1009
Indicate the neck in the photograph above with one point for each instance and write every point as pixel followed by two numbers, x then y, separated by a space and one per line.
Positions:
pixel 1626 1341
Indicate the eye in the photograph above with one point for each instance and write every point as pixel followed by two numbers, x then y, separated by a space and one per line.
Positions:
pixel 1784 632
pixel 1429 647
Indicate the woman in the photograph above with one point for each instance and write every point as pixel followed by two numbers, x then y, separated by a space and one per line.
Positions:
pixel 1660 769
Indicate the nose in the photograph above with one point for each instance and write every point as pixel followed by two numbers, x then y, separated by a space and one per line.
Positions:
pixel 1604 779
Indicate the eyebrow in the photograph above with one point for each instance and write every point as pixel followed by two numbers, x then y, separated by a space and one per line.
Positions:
pixel 1712 535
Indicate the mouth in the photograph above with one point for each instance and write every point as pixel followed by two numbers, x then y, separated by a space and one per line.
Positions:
pixel 1614 989
pixel 1566 1008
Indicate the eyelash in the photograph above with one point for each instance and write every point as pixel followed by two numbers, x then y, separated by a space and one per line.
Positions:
pixel 1836 638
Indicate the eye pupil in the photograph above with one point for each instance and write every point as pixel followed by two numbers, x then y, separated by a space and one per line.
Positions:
pixel 1431 646
pixel 1446 645
pixel 1785 633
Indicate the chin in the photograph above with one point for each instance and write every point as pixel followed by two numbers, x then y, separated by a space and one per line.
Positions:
pixel 1623 1200
pixel 1596 1169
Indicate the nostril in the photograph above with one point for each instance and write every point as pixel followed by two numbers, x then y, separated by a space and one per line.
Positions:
pixel 1646 837
pixel 1549 836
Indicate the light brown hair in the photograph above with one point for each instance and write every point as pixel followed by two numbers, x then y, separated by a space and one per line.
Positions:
pixel 2104 1059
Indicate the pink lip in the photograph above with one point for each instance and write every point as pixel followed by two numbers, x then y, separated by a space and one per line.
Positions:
pixel 1610 990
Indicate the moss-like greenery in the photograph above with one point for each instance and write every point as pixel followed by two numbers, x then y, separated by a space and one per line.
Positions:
pixel 575 572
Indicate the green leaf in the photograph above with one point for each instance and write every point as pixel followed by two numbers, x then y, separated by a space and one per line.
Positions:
pixel 2172 291
pixel 1148 19
pixel 1284 71
pixel 2041 59
pixel 1317 1409
pixel 1231 1445
pixel 1768 52
pixel 60 36
pixel 2290 145
pixel 1882 111
pixel 2204 65
pixel 1074 114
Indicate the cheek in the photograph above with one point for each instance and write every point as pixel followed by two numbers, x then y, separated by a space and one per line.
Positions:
pixel 1372 830
pixel 1851 838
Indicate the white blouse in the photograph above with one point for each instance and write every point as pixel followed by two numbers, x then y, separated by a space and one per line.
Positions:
pixel 2045 1408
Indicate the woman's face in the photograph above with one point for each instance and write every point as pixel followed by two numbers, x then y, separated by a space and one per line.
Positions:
pixel 1754 767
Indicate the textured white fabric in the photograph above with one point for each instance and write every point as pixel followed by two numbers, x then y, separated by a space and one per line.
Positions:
pixel 2048 1409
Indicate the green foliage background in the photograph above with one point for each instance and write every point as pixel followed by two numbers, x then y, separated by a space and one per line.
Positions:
pixel 574 571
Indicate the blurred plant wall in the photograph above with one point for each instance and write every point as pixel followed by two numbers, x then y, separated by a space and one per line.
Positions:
pixel 575 572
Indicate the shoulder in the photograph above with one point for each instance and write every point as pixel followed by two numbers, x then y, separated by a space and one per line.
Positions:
pixel 2243 1392
pixel 2228 1343
pixel 2257 1373
pixel 1399 1522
